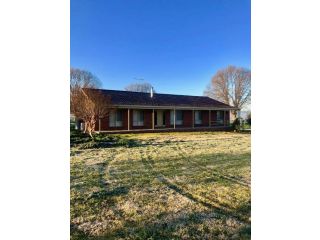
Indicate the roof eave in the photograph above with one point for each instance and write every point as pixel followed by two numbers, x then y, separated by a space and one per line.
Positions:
pixel 174 107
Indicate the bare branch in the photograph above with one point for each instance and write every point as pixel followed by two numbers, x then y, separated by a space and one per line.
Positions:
pixel 139 87
pixel 86 102
pixel 232 86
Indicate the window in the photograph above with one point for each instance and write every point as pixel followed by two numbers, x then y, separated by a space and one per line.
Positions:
pixel 171 117
pixel 115 119
pixel 160 118
pixel 137 118
pixel 220 116
pixel 198 117
pixel 179 117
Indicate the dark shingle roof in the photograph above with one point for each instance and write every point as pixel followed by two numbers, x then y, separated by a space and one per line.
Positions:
pixel 159 99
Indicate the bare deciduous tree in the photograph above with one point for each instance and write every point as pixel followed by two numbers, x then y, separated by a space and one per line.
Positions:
pixel 83 79
pixel 139 87
pixel 86 102
pixel 232 86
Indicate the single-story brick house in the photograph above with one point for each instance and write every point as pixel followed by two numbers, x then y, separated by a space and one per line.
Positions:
pixel 137 111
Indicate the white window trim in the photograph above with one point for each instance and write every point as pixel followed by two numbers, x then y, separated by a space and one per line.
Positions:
pixel 114 122
pixel 220 118
pixel 178 122
pixel 138 123
pixel 198 120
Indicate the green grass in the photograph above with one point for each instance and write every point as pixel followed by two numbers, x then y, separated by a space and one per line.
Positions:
pixel 164 186
pixel 246 126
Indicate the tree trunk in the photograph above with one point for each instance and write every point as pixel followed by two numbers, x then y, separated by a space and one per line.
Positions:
pixel 85 127
pixel 235 113
pixel 91 126
pixel 90 133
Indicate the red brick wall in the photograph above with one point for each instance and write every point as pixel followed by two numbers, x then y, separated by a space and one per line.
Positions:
pixel 167 113
pixel 187 118
pixel 213 115
pixel 96 127
pixel 228 115
pixel 105 122
pixel 125 118
pixel 147 120
pixel 131 118
pixel 205 118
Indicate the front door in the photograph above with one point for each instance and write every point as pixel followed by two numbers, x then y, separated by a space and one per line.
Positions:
pixel 160 118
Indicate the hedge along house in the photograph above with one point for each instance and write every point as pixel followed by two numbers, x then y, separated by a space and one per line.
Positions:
pixel 137 111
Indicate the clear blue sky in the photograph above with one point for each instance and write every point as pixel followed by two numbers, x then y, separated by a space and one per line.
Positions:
pixel 176 45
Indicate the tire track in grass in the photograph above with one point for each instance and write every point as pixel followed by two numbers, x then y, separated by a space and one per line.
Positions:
pixel 205 201
pixel 220 210
pixel 103 174
pixel 209 172
pixel 110 177
pixel 184 153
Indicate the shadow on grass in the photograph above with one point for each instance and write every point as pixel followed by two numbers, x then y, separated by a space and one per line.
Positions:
pixel 168 223
pixel 103 194
pixel 168 228
pixel 218 208
pixel 101 140
pixel 105 190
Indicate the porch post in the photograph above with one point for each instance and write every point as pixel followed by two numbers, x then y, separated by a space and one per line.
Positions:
pixel 128 119
pixel 209 118
pixel 99 125
pixel 152 118
pixel 174 118
pixel 192 118
pixel 224 118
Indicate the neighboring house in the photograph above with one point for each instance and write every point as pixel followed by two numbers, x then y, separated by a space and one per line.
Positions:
pixel 134 111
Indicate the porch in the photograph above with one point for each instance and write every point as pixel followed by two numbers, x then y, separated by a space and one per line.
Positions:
pixel 164 119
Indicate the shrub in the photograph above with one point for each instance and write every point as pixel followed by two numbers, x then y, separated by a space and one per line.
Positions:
pixel 103 137
pixel 236 125
pixel 99 140
pixel 249 119
pixel 126 142
pixel 77 137
pixel 89 145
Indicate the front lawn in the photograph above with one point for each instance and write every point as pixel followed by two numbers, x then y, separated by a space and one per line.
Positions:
pixel 164 186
